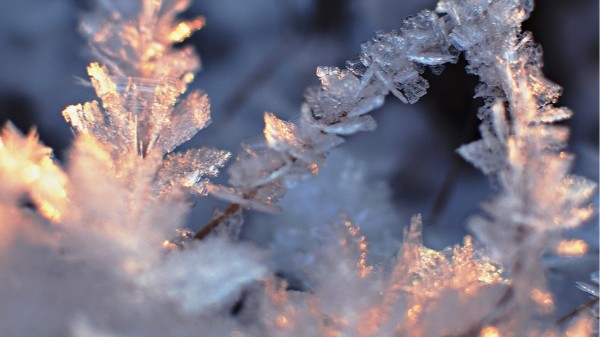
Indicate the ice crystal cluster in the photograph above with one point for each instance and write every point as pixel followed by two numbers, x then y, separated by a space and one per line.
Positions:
pixel 97 245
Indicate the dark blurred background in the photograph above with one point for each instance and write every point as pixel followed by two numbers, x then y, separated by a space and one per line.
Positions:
pixel 260 55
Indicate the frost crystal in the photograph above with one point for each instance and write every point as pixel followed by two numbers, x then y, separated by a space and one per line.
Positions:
pixel 100 222
pixel 391 62
pixel 140 87
pixel 422 285
pixel 84 249
pixel 128 139
pixel 520 146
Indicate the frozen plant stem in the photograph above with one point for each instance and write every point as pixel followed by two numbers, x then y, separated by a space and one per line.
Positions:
pixel 215 222
pixel 573 313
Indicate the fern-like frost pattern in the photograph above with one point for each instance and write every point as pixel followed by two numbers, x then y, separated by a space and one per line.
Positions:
pixel 94 229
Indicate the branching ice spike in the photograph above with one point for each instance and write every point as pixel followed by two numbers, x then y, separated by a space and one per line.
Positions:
pixel 289 153
pixel 522 220
pixel 519 145
pixel 140 79
pixel 120 193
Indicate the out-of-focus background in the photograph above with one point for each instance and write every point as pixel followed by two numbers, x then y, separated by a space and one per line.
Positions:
pixel 260 55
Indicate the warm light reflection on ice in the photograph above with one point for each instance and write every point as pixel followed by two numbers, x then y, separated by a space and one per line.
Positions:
pixel 185 29
pixel 490 331
pixel 572 247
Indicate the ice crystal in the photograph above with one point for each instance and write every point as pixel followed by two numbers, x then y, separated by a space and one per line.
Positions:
pixel 120 194
pixel 134 39
pixel 423 285
pixel 527 151
pixel 129 140
pixel 588 288
pixel 391 62
pixel 231 226
pixel 129 137
pixel 96 230
pixel 521 148
pixel 140 85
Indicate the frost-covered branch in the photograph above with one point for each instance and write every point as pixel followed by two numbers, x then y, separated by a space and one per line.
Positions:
pixel 83 249
pixel 521 148
pixel 89 235
pixel 140 85
pixel 291 152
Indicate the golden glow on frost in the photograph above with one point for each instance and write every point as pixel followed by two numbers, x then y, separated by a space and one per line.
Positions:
pixel 185 29
pixel 543 299
pixel 490 331
pixel 277 131
pixel 572 247
pixel 23 157
pixel 582 327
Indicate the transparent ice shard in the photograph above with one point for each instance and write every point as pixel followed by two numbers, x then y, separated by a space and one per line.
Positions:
pixel 356 66
pixel 585 287
pixel 189 116
pixel 553 114
pixel 142 47
pixel 190 169
pixel 141 81
pixel 257 164
pixel 413 89
pixel 351 125
pixel 481 156
pixel 112 123
pixel 264 199
pixel 280 135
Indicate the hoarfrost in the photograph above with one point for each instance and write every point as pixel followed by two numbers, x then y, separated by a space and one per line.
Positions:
pixel 94 232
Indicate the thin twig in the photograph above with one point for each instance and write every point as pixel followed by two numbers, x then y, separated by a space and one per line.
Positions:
pixel 230 211
pixel 576 311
